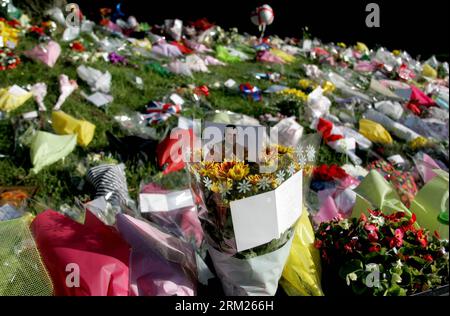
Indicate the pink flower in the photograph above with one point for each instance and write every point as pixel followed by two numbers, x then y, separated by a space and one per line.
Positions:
pixel 371 228
pixel 373 237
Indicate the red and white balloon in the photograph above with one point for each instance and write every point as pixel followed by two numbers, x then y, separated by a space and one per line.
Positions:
pixel 263 16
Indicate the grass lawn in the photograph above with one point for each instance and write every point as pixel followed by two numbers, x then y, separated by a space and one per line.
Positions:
pixel 59 183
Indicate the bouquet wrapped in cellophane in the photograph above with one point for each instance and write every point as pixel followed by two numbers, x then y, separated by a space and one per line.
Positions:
pixel 249 211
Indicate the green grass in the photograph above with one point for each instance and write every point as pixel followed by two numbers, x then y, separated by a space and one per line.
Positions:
pixel 59 183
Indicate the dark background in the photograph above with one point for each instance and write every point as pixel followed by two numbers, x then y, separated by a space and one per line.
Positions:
pixel 420 27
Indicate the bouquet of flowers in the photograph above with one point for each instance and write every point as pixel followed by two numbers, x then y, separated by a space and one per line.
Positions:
pixel 8 60
pixel 248 214
pixel 381 254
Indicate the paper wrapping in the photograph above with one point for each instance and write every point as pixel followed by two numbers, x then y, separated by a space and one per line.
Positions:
pixel 257 276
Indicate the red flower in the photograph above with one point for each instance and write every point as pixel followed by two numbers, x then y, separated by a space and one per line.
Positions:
pixel 318 243
pixel 397 241
pixel 38 30
pixel 373 237
pixel 437 235
pixel 14 23
pixel 328 173
pixel 412 221
pixel 77 46
pixel 348 248
pixel 428 258
pixel 363 218
pixel 202 90
pixel 422 238
pixel 375 213
pixel 374 247
pixel 104 22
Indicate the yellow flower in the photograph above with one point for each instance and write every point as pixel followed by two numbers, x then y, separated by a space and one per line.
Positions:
pixel 208 169
pixel 283 150
pixel 221 169
pixel 304 83
pixel 396 52
pixel 295 93
pixel 308 169
pixel 215 187
pixel 253 178
pixel 238 171
pixel 328 87
pixel 340 44
pixel 362 48
pixel 419 142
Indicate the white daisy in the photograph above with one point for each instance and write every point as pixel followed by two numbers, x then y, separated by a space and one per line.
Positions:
pixel 224 188
pixel 299 150
pixel 310 153
pixel 244 186
pixel 264 183
pixel 207 182
pixel 291 170
pixel 280 177
pixel 302 160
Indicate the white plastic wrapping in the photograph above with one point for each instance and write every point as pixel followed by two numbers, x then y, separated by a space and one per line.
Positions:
pixel 395 128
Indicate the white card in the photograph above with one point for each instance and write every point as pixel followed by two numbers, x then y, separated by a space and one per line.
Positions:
pixel 176 99
pixel 396 160
pixel 99 99
pixel 230 83
pixel 259 219
pixel 307 44
pixel 30 115
pixel 165 202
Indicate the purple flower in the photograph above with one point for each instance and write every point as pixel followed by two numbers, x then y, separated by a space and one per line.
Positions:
pixel 116 58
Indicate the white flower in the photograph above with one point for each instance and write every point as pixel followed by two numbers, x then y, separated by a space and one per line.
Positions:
pixel 299 150
pixel 379 220
pixel 208 183
pixel 280 177
pixel 398 264
pixel 310 153
pixel 224 188
pixel 291 169
pixel 302 160
pixel 264 183
pixel 244 186
pixel 351 277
